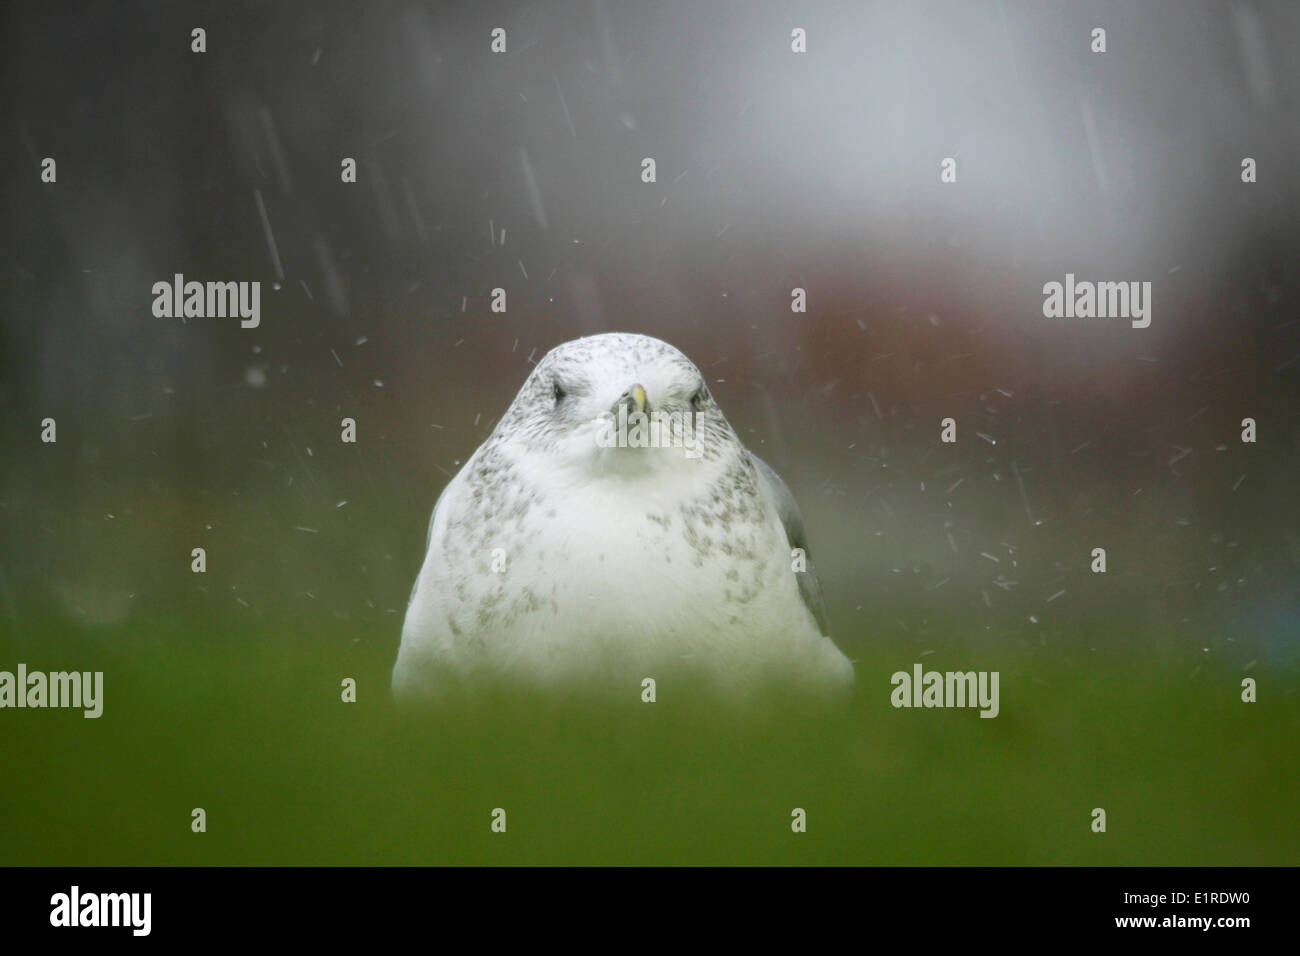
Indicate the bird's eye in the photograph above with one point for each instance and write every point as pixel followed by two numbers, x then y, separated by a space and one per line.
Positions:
pixel 699 398
pixel 559 392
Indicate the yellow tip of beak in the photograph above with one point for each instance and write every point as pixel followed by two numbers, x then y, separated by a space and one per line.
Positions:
pixel 638 396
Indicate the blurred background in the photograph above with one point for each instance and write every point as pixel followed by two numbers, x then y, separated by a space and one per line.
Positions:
pixel 774 171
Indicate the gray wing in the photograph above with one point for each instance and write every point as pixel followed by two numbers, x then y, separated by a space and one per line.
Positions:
pixel 433 516
pixel 810 588
pixel 428 540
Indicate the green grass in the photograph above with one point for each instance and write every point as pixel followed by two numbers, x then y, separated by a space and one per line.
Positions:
pixel 248 724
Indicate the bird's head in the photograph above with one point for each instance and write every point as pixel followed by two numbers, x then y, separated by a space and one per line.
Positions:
pixel 620 404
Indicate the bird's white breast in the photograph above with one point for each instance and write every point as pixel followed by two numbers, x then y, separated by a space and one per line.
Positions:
pixel 611 578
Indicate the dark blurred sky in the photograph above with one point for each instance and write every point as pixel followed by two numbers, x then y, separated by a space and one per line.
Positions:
pixel 775 170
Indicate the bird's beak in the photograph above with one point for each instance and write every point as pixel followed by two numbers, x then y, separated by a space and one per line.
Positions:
pixel 634 399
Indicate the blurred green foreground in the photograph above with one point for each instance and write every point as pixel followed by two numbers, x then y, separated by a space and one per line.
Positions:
pixel 249 725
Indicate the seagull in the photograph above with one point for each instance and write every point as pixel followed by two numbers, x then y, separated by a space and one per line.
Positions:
pixel 581 546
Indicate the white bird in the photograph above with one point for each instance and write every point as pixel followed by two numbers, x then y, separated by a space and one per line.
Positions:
pixel 561 557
